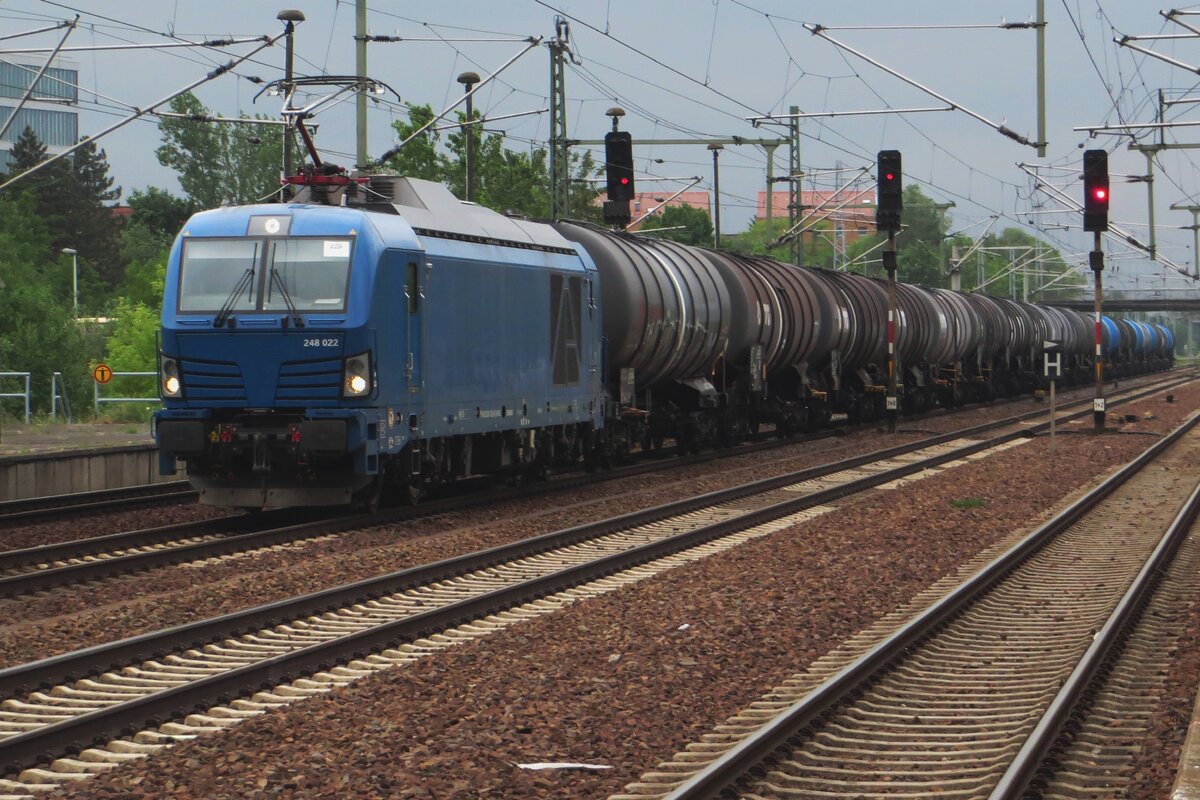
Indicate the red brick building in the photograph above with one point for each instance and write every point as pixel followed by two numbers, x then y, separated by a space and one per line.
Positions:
pixel 856 217
pixel 644 201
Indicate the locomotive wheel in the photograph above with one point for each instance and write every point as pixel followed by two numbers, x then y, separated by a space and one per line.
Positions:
pixel 412 492
pixel 368 499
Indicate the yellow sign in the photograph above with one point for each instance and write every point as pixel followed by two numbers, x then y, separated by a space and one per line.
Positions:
pixel 102 373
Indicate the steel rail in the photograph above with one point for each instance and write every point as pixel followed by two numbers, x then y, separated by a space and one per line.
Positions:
pixel 732 766
pixel 99 500
pixel 1024 767
pixel 42 580
pixel 82 731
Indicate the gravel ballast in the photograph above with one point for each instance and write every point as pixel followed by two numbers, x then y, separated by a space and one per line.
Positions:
pixel 627 679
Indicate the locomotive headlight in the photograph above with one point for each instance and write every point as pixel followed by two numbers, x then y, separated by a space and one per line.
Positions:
pixel 356 381
pixel 168 370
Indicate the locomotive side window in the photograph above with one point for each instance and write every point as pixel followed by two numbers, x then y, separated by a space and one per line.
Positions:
pixel 213 268
pixel 413 288
pixel 566 297
pixel 313 273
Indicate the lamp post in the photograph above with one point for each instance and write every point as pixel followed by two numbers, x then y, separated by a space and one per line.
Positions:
pixel 468 80
pixel 291 17
pixel 74 254
pixel 716 151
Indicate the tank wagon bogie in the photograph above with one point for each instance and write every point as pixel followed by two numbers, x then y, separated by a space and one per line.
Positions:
pixel 317 354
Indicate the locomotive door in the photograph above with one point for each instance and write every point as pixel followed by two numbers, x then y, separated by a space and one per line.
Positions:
pixel 414 290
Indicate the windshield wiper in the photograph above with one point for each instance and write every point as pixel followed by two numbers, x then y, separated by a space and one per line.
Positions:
pixel 287 298
pixel 245 282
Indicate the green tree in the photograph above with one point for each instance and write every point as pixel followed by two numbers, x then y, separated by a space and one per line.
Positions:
pixel 132 346
pixel 1037 263
pixel 220 162
pixel 39 334
pixel 159 211
pixel 72 197
pixel 145 253
pixel 758 238
pixel 47 185
pixel 505 180
pixel 685 224
pixel 420 157
pixel 90 226
pixel 921 249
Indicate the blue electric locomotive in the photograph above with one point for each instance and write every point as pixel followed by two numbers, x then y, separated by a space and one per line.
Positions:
pixel 316 354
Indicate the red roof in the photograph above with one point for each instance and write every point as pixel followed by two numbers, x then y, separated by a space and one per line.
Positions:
pixel 645 201
pixel 858 209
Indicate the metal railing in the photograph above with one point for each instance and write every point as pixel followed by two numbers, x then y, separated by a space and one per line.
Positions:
pixel 24 394
pixel 97 399
pixel 58 397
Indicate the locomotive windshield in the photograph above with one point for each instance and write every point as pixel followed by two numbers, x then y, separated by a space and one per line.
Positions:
pixel 313 274
pixel 213 269
pixel 268 275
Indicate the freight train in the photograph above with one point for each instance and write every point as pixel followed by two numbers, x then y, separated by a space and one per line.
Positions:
pixel 377 338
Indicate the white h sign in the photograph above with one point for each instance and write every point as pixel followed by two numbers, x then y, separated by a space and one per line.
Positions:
pixel 1051 360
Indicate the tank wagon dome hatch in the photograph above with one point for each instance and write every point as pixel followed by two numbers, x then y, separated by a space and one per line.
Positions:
pixel 433 210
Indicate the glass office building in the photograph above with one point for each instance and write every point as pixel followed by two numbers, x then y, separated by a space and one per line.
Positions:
pixel 52 109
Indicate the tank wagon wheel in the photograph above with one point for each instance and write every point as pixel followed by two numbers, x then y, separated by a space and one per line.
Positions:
pixel 368 499
pixel 726 435
pixel 412 491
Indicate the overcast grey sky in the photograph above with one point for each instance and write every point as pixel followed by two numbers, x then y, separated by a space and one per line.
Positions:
pixel 696 69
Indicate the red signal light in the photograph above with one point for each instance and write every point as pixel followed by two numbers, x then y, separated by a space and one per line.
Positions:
pixel 890 176
pixel 1101 194
pixel 624 181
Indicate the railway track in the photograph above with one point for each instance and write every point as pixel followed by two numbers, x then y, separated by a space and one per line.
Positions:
pixel 47 567
pixel 1037 668
pixel 20 512
pixel 142 693
pixel 103 501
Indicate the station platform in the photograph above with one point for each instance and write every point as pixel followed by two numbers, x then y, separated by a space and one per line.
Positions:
pixel 50 459
pixel 18 440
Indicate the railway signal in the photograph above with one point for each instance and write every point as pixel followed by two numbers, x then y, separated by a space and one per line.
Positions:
pixel 890 201
pixel 618 158
pixel 888 206
pixel 1095 190
pixel 1095 220
pixel 618 163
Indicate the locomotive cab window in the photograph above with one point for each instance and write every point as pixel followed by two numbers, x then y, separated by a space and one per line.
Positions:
pixel 268 275
pixel 213 269
pixel 311 272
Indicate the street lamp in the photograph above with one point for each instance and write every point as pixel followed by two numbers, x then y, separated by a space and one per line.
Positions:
pixel 291 17
pixel 716 151
pixel 74 254
pixel 468 80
